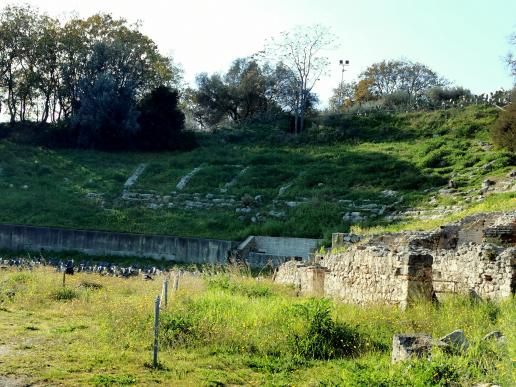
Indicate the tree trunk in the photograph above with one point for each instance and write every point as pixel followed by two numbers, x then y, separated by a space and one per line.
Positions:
pixel 302 109
pixel 302 121
pixel 10 98
pixel 46 109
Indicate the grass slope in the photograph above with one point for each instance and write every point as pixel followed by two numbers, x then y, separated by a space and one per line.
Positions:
pixel 338 159
pixel 230 329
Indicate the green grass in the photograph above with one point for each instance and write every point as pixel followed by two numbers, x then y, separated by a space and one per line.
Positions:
pixel 338 158
pixel 233 329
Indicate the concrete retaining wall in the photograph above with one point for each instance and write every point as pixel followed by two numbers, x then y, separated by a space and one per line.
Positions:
pixel 285 247
pixel 178 249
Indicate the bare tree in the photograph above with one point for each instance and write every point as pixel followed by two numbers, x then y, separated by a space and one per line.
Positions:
pixel 301 50
pixel 511 57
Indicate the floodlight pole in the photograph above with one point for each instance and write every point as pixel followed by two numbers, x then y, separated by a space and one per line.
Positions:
pixel 343 64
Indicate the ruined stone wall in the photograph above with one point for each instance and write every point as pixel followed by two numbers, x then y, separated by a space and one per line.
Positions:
pixel 484 270
pixel 475 256
pixel 360 276
pixel 364 275
pixel 290 273
pixel 369 274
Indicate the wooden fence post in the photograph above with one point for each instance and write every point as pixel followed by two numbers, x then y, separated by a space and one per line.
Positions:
pixel 165 292
pixel 156 328
pixel 176 282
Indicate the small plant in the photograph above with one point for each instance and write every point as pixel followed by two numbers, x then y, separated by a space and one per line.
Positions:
pixel 90 285
pixel 64 294
pixel 324 338
pixel 176 330
pixel 113 380
pixel 246 288
pixel 247 200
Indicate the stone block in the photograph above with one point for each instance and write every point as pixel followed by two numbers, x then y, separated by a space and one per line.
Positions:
pixel 406 346
pixel 455 341
pixel 495 335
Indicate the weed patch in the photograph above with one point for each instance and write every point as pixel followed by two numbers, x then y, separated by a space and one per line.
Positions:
pixel 64 294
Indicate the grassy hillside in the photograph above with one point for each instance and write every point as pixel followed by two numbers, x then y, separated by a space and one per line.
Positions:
pixel 285 186
pixel 231 330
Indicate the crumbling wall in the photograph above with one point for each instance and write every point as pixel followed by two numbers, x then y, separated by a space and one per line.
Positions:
pixel 359 276
pixel 474 256
pixel 364 275
pixel 371 275
pixel 485 270
pixel 289 273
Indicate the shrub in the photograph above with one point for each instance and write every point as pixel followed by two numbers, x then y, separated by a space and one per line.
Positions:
pixel 503 133
pixel 177 330
pixel 64 294
pixel 397 99
pixel 435 159
pixel 324 338
pixel 90 285
pixel 439 94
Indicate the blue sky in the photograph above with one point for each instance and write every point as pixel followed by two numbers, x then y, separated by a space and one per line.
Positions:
pixel 464 41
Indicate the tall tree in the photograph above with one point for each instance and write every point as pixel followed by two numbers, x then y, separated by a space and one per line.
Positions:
pixel 44 64
pixel 161 121
pixel 391 76
pixel 511 57
pixel 107 116
pixel 104 44
pixel 17 36
pixel 302 52
pixel 242 92
pixel 343 96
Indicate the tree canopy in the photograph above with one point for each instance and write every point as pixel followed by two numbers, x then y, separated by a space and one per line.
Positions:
pixel 46 64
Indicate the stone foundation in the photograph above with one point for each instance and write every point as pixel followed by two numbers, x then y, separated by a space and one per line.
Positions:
pixel 402 267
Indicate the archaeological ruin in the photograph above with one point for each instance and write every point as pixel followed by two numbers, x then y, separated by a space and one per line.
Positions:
pixel 475 256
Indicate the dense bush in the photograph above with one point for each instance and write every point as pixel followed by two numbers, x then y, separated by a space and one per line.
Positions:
pixel 436 95
pixel 435 159
pixel 324 338
pixel 64 294
pixel 162 122
pixel 397 99
pixel 503 133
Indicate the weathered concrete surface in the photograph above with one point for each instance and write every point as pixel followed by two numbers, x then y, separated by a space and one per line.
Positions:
pixel 285 247
pixel 262 251
pixel 179 249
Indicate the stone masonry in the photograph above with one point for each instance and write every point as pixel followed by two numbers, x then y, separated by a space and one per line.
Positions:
pixel 475 256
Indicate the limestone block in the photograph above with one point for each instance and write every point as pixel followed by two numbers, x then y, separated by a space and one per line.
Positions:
pixel 405 346
pixel 495 335
pixel 456 340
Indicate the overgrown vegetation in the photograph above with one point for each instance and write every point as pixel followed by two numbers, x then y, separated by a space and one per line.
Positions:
pixel 339 158
pixel 503 132
pixel 213 334
pixel 91 79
